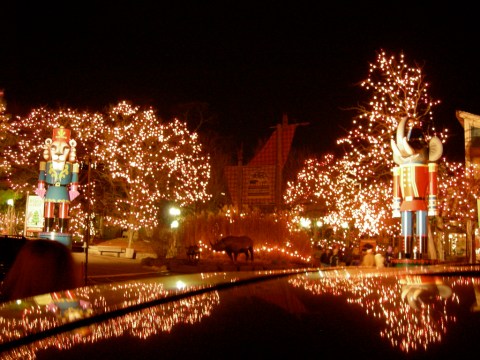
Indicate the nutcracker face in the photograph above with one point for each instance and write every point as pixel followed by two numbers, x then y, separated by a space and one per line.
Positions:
pixel 416 139
pixel 60 148
pixel 59 151
pixel 414 148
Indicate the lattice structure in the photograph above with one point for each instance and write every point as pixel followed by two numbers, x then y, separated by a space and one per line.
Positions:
pixel 259 182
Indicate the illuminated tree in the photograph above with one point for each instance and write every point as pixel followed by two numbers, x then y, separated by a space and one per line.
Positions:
pixel 30 132
pixel 3 117
pixel 315 183
pixel 321 185
pixel 136 162
pixel 396 90
pixel 4 134
pixel 145 163
pixel 459 189
pixel 362 194
pixel 220 148
pixel 24 152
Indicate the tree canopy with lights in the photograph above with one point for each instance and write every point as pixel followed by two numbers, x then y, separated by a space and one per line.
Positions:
pixel 147 162
pixel 361 194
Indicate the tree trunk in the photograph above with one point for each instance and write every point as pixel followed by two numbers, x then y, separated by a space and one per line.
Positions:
pixel 130 238
pixel 172 246
pixel 431 247
pixel 469 241
pixel 436 242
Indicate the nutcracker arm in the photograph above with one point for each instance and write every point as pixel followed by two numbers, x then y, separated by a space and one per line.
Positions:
pixel 433 190
pixel 40 190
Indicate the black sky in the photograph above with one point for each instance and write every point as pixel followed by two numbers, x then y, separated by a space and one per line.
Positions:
pixel 251 62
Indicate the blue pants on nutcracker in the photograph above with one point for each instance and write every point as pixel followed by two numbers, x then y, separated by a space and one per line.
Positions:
pixel 414 248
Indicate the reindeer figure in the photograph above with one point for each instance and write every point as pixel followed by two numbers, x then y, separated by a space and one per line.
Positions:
pixel 234 245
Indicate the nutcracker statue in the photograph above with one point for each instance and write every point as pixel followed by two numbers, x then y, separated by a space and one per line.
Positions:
pixel 414 186
pixel 58 184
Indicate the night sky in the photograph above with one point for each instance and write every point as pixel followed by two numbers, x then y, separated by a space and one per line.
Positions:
pixel 250 62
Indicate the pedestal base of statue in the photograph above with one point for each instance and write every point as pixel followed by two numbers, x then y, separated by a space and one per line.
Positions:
pixel 64 238
pixel 130 253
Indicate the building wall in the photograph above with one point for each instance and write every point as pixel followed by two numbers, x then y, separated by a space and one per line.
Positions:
pixel 471 127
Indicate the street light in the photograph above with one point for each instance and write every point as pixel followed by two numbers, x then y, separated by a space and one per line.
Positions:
pixel 318 232
pixel 174 212
pixel 174 224
pixel 305 223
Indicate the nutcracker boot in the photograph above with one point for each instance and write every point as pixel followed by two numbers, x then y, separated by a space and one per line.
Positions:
pixel 49 224
pixel 63 225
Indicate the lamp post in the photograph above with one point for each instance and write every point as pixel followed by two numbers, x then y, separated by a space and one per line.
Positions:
pixel 10 217
pixel 319 231
pixel 306 224
pixel 345 230
pixel 174 224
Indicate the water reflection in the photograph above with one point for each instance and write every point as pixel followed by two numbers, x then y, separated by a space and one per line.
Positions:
pixel 415 309
pixel 51 310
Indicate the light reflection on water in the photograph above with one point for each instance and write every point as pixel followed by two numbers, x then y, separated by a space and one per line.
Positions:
pixel 415 309
pixel 52 310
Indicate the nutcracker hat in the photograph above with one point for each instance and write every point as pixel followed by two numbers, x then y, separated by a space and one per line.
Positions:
pixel 61 134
